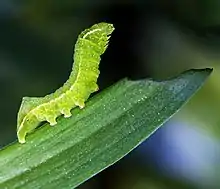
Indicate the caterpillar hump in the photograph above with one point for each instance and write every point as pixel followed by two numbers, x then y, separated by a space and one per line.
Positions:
pixel 90 45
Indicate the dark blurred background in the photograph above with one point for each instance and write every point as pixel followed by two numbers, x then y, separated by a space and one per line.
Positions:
pixel 157 39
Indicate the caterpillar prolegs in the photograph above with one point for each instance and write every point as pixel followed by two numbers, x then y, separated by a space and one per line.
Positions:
pixel 90 45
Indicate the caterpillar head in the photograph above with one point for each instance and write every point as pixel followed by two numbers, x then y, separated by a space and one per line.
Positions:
pixel 104 27
pixel 97 30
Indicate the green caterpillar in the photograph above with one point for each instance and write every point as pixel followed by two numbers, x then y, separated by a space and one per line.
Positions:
pixel 90 45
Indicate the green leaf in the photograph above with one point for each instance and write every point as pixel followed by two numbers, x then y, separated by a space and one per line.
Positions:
pixel 113 123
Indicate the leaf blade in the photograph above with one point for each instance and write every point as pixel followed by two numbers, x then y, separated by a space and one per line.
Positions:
pixel 96 137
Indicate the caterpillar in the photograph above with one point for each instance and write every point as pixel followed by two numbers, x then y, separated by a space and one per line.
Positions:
pixel 90 45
